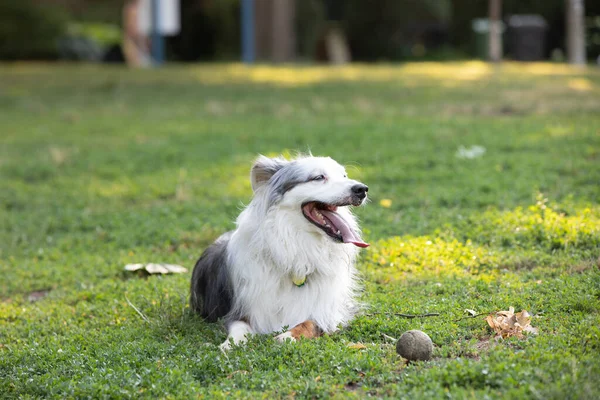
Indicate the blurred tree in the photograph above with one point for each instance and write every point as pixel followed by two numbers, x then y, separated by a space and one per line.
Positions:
pixel 284 35
pixel 495 33
pixel 275 30
pixel 575 31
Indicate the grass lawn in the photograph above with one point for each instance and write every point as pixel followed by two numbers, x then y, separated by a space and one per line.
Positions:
pixel 100 167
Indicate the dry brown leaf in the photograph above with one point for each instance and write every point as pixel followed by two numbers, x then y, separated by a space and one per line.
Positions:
pixel 523 318
pixel 506 323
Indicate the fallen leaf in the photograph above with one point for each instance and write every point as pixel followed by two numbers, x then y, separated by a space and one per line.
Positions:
pixel 506 323
pixel 472 312
pixel 153 268
pixel 523 318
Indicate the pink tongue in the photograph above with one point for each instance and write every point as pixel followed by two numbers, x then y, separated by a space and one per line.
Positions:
pixel 348 235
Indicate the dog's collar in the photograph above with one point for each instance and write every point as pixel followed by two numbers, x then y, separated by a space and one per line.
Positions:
pixel 299 281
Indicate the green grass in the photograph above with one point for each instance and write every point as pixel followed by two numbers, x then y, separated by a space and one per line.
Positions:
pixel 100 167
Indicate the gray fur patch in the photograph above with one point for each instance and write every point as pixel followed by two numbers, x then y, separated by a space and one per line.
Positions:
pixel 285 180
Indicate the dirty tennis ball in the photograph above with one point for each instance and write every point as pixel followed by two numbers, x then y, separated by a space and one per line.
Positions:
pixel 415 345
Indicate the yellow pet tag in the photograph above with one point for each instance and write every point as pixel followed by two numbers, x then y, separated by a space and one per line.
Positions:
pixel 299 281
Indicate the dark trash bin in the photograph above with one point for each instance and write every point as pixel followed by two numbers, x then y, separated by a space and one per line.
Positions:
pixel 527 37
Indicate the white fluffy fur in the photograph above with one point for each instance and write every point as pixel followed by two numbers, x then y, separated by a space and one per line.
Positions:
pixel 238 331
pixel 274 242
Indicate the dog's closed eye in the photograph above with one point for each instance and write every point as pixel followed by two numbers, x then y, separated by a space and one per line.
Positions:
pixel 318 178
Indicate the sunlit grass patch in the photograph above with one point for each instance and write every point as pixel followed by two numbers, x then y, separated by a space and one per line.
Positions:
pixel 487 243
pixel 542 225
pixel 451 73
pixel 422 257
pixel 542 69
pixel 580 84
pixel 466 71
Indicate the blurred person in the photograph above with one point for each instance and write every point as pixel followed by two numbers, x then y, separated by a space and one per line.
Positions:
pixel 136 45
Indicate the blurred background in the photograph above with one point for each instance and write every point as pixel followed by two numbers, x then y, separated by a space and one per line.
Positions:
pixel 334 31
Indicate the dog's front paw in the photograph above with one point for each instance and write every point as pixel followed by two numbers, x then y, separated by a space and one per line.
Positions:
pixel 285 337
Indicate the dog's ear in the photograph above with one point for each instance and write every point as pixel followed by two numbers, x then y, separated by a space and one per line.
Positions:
pixel 264 168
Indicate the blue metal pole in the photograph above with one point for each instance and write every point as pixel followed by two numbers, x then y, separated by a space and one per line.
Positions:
pixel 157 40
pixel 247 18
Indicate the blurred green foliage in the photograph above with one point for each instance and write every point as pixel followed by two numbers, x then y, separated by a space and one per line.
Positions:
pixel 103 33
pixel 29 30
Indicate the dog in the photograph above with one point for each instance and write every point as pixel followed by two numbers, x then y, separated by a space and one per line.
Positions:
pixel 289 264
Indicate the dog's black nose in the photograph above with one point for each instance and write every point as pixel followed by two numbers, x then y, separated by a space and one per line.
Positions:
pixel 360 190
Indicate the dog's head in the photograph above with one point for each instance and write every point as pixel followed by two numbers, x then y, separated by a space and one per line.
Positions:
pixel 317 187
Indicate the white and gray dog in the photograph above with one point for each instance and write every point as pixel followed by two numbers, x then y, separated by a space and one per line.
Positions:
pixel 290 262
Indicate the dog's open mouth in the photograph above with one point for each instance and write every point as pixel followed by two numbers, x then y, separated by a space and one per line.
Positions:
pixel 325 217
